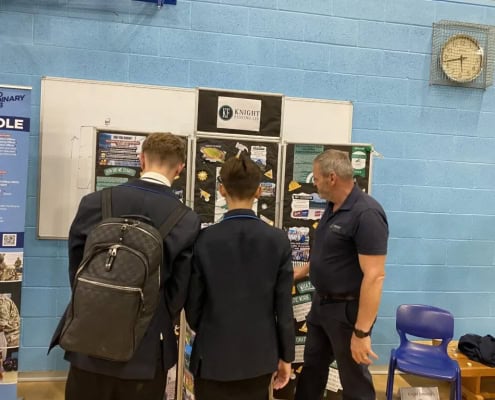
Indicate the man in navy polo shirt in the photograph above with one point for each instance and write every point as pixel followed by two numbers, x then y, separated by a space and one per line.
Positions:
pixel 347 268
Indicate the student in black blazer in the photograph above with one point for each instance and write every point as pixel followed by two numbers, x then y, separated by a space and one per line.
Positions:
pixel 143 377
pixel 239 300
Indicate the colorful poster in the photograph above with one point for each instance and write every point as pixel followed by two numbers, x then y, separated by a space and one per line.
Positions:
pixel 15 124
pixel 117 161
pixel 117 158
pixel 304 154
pixel 211 153
pixel 188 386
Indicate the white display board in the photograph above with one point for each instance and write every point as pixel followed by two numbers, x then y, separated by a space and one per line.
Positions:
pixel 71 112
pixel 316 121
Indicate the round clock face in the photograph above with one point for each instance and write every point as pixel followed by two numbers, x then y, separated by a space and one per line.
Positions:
pixel 462 58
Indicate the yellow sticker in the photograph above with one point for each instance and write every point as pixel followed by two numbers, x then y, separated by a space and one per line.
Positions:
pixel 294 290
pixel 304 328
pixel 269 174
pixel 204 195
pixel 213 154
pixel 315 225
pixel 267 220
pixel 293 185
pixel 299 369
pixel 202 176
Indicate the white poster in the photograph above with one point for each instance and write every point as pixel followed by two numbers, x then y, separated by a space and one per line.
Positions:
pixel 239 114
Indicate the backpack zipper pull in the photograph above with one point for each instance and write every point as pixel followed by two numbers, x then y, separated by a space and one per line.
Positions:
pixel 112 253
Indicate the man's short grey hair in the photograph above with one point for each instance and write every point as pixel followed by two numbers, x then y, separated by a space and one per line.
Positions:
pixel 335 161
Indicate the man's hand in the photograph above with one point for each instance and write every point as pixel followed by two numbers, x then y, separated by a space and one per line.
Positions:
pixel 301 272
pixel 361 350
pixel 281 377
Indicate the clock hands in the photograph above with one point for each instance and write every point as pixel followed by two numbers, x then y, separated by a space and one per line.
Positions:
pixel 461 58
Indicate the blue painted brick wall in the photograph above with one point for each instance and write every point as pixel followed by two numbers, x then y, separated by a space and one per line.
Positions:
pixel 436 178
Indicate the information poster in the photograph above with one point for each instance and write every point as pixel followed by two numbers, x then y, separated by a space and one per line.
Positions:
pixel 211 153
pixel 15 119
pixel 302 210
pixel 117 161
pixel 188 387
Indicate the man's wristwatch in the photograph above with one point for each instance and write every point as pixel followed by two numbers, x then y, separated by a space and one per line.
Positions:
pixel 361 334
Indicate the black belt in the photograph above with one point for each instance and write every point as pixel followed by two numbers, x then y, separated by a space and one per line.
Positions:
pixel 337 297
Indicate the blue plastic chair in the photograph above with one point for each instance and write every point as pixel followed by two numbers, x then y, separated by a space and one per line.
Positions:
pixel 422 359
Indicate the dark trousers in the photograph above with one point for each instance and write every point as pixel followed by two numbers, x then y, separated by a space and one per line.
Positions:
pixel 84 385
pixel 330 328
pixel 246 389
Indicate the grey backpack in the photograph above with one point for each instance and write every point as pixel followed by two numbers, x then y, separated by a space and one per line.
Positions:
pixel 116 288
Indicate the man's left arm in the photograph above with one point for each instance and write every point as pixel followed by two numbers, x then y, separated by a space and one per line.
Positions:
pixel 371 240
pixel 373 268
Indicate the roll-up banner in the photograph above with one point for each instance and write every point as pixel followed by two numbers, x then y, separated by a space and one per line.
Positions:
pixel 15 119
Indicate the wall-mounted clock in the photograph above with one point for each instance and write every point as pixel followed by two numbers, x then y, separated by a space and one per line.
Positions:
pixel 462 58
pixel 462 54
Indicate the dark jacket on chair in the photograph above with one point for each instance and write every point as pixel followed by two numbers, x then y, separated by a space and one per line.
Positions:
pixel 159 344
pixel 477 348
pixel 240 302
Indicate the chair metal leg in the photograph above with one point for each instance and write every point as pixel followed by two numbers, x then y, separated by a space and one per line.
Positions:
pixel 390 379
pixel 458 388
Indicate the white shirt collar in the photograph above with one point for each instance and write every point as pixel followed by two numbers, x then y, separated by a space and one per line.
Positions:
pixel 155 177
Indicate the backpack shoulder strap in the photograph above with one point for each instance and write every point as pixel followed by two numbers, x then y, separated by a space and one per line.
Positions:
pixel 106 203
pixel 172 220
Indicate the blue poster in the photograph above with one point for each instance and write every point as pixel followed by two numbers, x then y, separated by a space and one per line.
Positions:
pixel 15 125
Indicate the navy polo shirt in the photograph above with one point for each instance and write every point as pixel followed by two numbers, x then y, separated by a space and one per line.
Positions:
pixel 359 226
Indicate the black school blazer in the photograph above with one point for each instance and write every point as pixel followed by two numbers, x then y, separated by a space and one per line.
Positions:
pixel 240 302
pixel 156 202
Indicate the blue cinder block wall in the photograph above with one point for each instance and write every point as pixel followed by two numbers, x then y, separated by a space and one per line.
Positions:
pixel 437 176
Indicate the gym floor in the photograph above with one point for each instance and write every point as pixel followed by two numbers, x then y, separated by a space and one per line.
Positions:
pixel 54 390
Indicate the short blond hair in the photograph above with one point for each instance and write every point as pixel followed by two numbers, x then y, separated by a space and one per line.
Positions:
pixel 165 148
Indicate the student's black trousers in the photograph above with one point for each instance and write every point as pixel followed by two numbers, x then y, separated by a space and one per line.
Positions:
pixel 246 389
pixel 84 385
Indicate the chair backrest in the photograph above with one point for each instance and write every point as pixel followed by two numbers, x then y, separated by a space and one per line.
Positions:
pixel 424 321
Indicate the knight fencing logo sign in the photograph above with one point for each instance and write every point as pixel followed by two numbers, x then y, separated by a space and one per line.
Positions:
pixel 225 112
pixel 239 114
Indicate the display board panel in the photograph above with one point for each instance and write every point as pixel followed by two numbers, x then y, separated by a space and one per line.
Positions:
pixel 71 111
pixel 211 153
pixel 316 121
